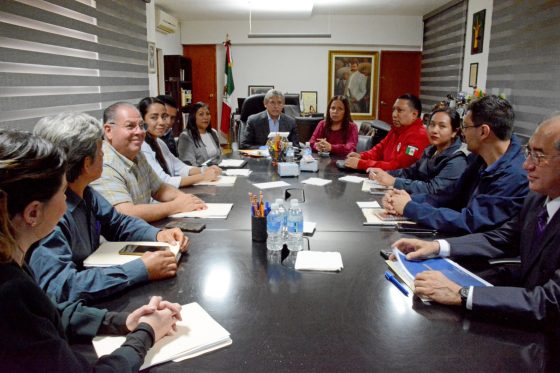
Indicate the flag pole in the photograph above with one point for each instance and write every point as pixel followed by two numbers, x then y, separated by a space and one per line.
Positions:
pixel 229 87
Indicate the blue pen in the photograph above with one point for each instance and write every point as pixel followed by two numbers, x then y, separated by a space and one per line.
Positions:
pixel 394 281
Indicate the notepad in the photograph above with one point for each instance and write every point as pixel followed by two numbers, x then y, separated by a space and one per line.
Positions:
pixel 238 172
pixel 221 181
pixel 198 333
pixel 372 219
pixel 107 254
pixel 319 261
pixel 316 181
pixel 225 163
pixel 272 184
pixel 214 211
pixel 352 179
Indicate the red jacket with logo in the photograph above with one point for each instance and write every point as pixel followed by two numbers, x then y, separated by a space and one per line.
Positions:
pixel 399 149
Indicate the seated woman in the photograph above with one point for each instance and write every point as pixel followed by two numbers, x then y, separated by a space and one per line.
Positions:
pixel 441 164
pixel 169 168
pixel 34 337
pixel 336 134
pixel 199 141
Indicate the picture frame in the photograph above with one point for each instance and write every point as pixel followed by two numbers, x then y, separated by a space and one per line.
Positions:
pixel 309 101
pixel 473 74
pixel 477 40
pixel 151 57
pixel 258 89
pixel 355 74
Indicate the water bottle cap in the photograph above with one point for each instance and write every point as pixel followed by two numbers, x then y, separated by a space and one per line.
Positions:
pixel 307 143
pixel 294 202
pixel 274 206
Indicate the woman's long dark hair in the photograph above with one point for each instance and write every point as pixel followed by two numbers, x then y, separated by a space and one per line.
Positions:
pixel 193 129
pixel 31 169
pixel 143 107
pixel 346 120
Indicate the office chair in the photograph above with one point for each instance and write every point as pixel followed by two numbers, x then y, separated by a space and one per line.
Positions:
pixel 380 130
pixel 364 143
pixel 291 105
pixel 251 105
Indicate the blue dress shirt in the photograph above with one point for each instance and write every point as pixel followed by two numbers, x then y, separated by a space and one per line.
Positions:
pixel 57 260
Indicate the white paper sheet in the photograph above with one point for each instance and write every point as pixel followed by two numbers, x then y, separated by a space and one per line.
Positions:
pixel 232 162
pixel 222 181
pixel 238 172
pixel 369 204
pixel 352 179
pixel 214 211
pixel 272 184
pixel 316 181
pixel 318 261
pixel 107 254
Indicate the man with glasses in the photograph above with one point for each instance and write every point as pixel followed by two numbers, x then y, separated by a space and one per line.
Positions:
pixel 492 188
pixel 531 292
pixel 128 182
pixel 270 120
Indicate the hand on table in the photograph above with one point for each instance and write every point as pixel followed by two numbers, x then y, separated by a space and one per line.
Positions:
pixel 394 201
pixel 381 177
pixel 160 264
pixel 156 303
pixel 416 249
pixel 435 286
pixel 173 236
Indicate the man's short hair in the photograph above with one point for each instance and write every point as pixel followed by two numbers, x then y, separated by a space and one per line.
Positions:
pixel 413 101
pixel 274 93
pixel 494 111
pixel 110 112
pixel 76 133
pixel 167 100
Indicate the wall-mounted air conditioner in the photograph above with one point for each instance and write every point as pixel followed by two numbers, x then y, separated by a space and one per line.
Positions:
pixel 165 22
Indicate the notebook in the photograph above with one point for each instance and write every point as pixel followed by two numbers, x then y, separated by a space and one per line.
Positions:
pixel 213 211
pixel 107 254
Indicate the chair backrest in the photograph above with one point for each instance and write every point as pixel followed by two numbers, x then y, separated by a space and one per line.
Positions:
pixel 252 105
pixel 305 127
pixel 364 143
pixel 381 130
pixel 291 99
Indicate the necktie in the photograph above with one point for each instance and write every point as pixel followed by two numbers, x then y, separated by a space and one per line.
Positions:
pixel 542 218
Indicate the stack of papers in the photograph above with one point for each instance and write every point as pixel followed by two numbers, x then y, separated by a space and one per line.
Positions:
pixel 372 218
pixel 369 205
pixel 214 211
pixel 316 181
pixel 198 333
pixel 222 181
pixel 319 261
pixel 107 254
pixel 372 184
pixel 272 184
pixel 353 179
pixel 238 172
pixel 232 163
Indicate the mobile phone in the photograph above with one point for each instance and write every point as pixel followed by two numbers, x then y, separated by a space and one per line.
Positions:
pixel 385 253
pixel 140 249
pixel 186 226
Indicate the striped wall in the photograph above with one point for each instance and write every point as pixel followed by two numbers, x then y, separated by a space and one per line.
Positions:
pixel 442 55
pixel 69 55
pixel 524 59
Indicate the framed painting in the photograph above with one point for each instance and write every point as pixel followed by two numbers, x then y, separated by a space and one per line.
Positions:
pixel 309 100
pixel 151 57
pixel 473 75
pixel 354 74
pixel 258 89
pixel 477 41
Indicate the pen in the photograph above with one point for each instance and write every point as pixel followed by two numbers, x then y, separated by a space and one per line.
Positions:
pixel 394 281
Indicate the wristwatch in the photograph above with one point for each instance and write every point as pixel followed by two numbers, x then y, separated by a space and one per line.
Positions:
pixel 464 293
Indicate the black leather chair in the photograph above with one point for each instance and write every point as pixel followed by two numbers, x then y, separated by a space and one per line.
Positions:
pixel 364 143
pixel 381 130
pixel 291 105
pixel 305 127
pixel 252 105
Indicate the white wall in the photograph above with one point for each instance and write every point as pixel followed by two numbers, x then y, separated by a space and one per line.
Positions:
pixel 480 58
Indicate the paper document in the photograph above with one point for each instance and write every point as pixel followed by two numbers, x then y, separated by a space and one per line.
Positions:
pixel 232 163
pixel 316 181
pixel 107 254
pixel 272 184
pixel 237 172
pixel 372 218
pixel 197 334
pixel 281 134
pixel 222 181
pixel 369 204
pixel 256 153
pixel 318 261
pixel 214 211
pixel 372 184
pixel 352 179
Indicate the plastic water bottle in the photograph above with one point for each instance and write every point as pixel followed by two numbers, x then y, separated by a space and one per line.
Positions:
pixel 274 229
pixel 307 149
pixel 290 153
pixel 284 213
pixel 295 226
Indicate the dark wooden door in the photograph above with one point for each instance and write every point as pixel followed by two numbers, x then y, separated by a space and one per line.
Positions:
pixel 203 58
pixel 399 73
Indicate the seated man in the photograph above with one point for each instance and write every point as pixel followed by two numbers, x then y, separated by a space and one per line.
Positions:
pixel 404 143
pixel 532 292
pixel 271 120
pixel 57 260
pixel 493 186
pixel 128 182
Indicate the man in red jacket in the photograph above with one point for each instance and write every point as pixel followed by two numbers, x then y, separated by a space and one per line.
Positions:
pixel 404 143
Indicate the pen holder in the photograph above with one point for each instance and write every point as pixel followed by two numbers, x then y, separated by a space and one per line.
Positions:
pixel 258 229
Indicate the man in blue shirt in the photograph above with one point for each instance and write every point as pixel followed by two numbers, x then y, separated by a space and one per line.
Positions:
pixel 491 190
pixel 57 260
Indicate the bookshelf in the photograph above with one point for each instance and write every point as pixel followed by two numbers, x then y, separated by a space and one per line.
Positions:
pixel 178 84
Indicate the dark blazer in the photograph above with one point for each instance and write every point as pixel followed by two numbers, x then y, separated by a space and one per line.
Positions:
pixel 256 131
pixel 535 291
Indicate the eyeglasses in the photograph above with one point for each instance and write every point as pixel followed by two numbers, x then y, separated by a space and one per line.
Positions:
pixel 537 157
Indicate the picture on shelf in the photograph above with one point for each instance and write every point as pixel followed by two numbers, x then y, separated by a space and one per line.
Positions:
pixel 259 89
pixel 309 99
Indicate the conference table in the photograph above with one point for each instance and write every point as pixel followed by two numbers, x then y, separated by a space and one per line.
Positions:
pixel 284 320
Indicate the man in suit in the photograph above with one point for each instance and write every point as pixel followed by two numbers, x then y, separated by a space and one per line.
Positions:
pixel 533 291
pixel 271 120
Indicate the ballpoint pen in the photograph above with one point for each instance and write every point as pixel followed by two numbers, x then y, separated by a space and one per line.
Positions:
pixel 394 281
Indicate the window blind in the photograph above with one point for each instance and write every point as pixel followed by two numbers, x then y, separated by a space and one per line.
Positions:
pixel 523 59
pixel 70 55
pixel 442 53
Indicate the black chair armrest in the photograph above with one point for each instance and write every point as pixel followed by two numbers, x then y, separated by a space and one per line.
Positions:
pixel 502 261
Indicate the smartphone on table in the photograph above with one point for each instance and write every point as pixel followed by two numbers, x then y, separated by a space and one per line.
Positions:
pixel 141 249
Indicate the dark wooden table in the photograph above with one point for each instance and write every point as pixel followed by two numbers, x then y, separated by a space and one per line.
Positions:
pixel 282 320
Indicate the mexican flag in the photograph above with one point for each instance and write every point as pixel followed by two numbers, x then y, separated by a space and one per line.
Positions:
pixel 228 90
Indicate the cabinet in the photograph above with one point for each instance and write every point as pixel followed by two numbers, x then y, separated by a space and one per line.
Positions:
pixel 178 84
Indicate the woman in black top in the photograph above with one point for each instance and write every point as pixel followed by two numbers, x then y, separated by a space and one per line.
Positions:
pixel 34 334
